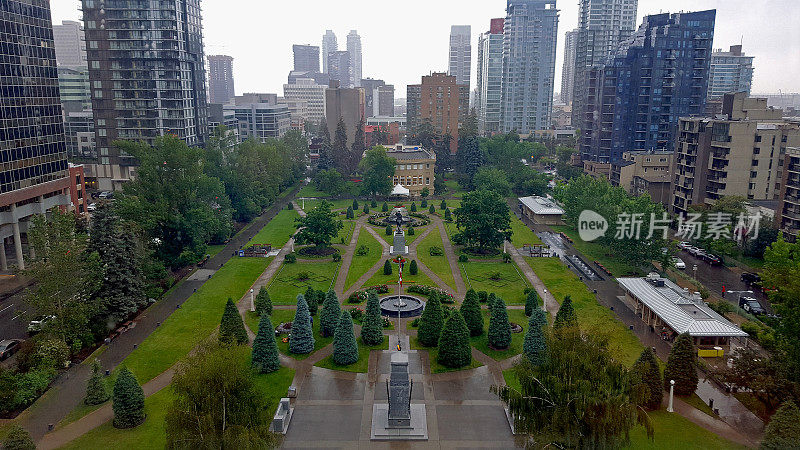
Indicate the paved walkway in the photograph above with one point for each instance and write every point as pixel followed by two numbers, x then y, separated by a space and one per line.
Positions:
pixel 549 303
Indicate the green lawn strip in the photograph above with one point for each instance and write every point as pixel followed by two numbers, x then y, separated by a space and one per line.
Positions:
pixel 214 249
pixel 451 229
pixel 195 320
pixel 753 404
pixel 510 285
pixel 698 403
pixel 433 354
pixel 81 410
pixel 311 191
pixel 437 264
pixel 391 280
pixel 359 366
pixel 308 205
pixel 361 263
pixel 592 316
pixel 345 233
pixel 453 189
pixel 521 234
pixel 482 342
pixel 287 315
pixel 278 231
pixel 287 283
pixel 594 251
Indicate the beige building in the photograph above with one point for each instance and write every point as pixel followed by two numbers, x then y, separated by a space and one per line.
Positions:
pixel 641 173
pixel 346 104
pixel 787 217
pixel 597 169
pixel 414 169
pixel 740 152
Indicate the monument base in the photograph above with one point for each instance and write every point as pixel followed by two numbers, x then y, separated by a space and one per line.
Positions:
pixel 418 431
pixel 400 250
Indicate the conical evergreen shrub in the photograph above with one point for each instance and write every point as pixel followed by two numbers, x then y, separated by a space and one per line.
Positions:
pixel 96 391
pixel 349 214
pixel 301 340
pixel 128 401
pixel 413 207
pixel 355 205
pixel 535 344
pixel 231 327
pixel 424 203
pixel 531 302
pixel 432 209
pixel 18 439
pixel 431 322
pixel 385 207
pixel 682 366
pixel 265 348
pixel 783 430
pixel 649 374
pixel 311 300
pixel 490 300
pixel 471 311
pixel 263 303
pixel 387 268
pixel 329 317
pixel 565 317
pixel 454 347
pixel 499 327
pixel 345 348
pixel 372 325
pixel 413 268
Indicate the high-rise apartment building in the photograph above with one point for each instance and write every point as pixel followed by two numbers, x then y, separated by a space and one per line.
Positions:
pixel 306 58
pixel 339 67
pixel 261 121
pixel 383 106
pixel 147 70
pixel 568 69
pixel 602 26
pixel 329 45
pixel 742 152
pixel 787 217
pixel 460 57
pixel 73 85
pixel 354 49
pixel 347 104
pixel 731 71
pixel 440 100
pixel 657 75
pixel 70 44
pixel 313 94
pixel 220 79
pixel 370 99
pixel 489 90
pixel 529 64
pixel 34 174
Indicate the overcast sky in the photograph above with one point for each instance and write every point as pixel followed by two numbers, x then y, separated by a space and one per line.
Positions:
pixel 402 43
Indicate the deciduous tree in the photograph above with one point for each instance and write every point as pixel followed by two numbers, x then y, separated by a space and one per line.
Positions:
pixel 378 169
pixel 483 220
pixel 319 226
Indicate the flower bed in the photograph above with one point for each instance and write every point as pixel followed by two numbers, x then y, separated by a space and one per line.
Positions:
pixel 360 296
pixel 445 296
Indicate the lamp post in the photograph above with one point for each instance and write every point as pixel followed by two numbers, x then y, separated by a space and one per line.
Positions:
pixel 252 302
pixel 739 299
pixel 694 271
pixel 671 394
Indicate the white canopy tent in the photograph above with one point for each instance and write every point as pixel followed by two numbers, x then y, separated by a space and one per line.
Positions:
pixel 399 190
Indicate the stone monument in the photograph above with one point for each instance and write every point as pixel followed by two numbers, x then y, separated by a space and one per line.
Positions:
pixel 399 246
pixel 399 419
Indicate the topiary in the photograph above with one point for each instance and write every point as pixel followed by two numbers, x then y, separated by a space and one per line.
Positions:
pixel 290 258
pixel 463 258
pixel 349 213
pixel 783 429
pixel 499 327
pixel 413 207
pixel 682 366
pixel 96 391
pixel 649 375
pixel 265 348
pixel 431 322
pixel 535 344
pixel 301 340
pixel 565 317
pixel 329 317
pixel 454 347
pixel 411 230
pixel 447 215
pixel 372 327
pixel 231 327
pixel 345 347
pixel 355 205
pixel 412 268
pixel 389 230
pixel 385 207
pixel 18 439
pixel 431 209
pixel 531 302
pixel 471 311
pixel 443 205
pixel 387 268
pixel 263 302
pixel 128 401
pixel 374 203
pixel 366 208
pixel 424 203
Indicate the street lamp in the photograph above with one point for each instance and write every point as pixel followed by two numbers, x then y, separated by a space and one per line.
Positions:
pixel 671 394
pixel 739 299
pixel 694 271
pixel 252 302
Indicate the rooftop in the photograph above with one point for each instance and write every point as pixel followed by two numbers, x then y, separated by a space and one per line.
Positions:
pixel 682 311
pixel 408 152
pixel 541 206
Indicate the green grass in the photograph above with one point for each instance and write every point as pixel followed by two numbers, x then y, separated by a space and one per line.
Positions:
pixel 522 234
pixel 482 342
pixel 79 412
pixel 698 403
pixel 510 286
pixel 310 190
pixel 592 316
pixel 287 315
pixel 308 205
pixel 594 251
pixel 346 232
pixel 362 263
pixel 274 385
pixel 359 366
pixel 437 264
pixel 391 280
pixel 195 320
pixel 278 231
pixel 214 249
pixel 285 284
pixel 453 189
pixel 433 354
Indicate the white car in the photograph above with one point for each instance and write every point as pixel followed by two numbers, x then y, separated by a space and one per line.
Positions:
pixel 679 264
pixel 92 207
pixel 683 245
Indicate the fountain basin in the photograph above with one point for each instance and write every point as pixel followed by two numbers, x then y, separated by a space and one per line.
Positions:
pixel 410 306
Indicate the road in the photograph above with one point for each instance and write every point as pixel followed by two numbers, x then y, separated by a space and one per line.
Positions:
pixel 13 320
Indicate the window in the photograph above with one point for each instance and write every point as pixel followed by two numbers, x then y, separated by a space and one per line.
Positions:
pixel 754 163
pixel 97 84
pixel 427 180
pixel 98 93
pixel 101 122
pixel 95 64
pixel 93 44
pixel 753 174
pixel 101 132
pixel 756 151
pixel 758 138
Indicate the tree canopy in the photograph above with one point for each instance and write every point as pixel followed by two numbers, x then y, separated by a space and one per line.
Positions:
pixel 378 169
pixel 483 220
pixel 319 226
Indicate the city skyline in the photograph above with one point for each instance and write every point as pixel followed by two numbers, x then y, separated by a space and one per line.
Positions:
pixel 422 53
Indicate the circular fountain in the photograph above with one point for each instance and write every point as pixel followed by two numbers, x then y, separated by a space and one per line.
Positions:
pixel 407 305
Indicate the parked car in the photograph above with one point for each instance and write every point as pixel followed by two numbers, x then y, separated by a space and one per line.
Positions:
pixel 712 259
pixel 750 278
pixel 694 251
pixel 751 305
pixel 106 194
pixel 683 245
pixel 679 264
pixel 8 347
pixel 92 207
pixel 36 325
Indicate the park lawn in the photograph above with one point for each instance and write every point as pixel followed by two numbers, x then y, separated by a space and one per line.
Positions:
pixel 510 284
pixel 274 385
pixel 195 320
pixel 482 342
pixel 212 250
pixel 592 316
pixel 285 285
pixel 453 189
pixel 391 280
pixel 310 190
pixel 359 366
pixel 278 231
pixel 451 229
pixel 594 251
pixel 437 264
pixel 521 234
pixel 287 315
pixel 433 354
pixel 345 233
pixel 362 263
pixel 308 205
